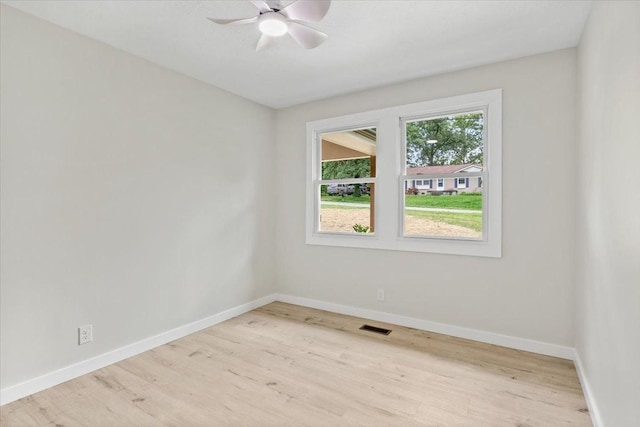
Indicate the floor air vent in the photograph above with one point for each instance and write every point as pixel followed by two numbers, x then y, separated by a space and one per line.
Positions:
pixel 375 329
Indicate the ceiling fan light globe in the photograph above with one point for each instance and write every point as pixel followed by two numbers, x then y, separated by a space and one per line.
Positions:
pixel 273 24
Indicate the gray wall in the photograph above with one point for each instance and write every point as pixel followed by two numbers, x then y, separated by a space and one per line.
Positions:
pixel 608 245
pixel 529 292
pixel 133 198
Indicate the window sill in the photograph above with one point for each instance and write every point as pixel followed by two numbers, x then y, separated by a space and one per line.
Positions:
pixel 464 247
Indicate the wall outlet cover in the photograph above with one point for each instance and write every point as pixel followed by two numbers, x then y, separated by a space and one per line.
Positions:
pixel 85 334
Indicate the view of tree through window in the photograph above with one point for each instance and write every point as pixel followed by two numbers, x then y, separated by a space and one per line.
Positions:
pixel 446 154
pixel 337 169
pixel 450 140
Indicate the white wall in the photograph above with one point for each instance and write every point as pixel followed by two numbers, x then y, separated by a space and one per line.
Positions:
pixel 133 198
pixel 608 279
pixel 529 292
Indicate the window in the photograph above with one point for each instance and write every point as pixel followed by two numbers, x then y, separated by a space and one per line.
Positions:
pixel 346 187
pixel 371 186
pixel 444 145
pixel 422 183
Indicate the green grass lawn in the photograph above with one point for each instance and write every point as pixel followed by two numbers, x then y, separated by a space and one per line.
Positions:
pixel 347 199
pixel 471 201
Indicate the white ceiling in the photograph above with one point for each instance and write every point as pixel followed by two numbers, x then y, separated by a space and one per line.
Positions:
pixel 371 43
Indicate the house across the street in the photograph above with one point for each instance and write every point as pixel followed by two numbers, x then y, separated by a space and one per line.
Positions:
pixel 452 185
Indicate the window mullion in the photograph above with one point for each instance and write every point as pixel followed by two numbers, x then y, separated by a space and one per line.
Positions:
pixel 387 170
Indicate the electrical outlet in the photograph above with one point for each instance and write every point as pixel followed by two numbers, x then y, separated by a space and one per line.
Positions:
pixel 380 294
pixel 85 334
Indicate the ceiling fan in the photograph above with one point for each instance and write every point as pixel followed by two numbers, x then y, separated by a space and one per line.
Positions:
pixel 274 22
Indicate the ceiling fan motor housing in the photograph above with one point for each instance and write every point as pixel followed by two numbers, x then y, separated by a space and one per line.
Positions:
pixel 272 24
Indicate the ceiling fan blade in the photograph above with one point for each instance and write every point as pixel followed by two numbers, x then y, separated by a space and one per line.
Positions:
pixel 307 10
pixel 265 41
pixel 305 36
pixel 234 21
pixel 261 5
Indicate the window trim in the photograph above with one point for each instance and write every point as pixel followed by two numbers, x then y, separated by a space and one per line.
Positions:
pixel 389 180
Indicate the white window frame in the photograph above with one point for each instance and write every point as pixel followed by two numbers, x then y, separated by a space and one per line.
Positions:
pixel 464 183
pixel 389 180
pixel 316 172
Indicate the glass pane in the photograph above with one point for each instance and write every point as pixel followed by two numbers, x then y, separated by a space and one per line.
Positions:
pixel 347 208
pixel 349 154
pixel 442 213
pixel 448 144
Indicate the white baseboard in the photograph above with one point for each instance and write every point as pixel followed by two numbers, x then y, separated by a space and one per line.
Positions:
pixel 441 328
pixel 588 394
pixel 18 391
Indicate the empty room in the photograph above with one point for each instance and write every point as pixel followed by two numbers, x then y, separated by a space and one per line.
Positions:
pixel 319 213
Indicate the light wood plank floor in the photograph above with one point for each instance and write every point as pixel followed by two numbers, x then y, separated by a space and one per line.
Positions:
pixel 285 365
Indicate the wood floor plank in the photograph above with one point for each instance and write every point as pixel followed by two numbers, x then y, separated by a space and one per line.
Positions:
pixel 286 365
